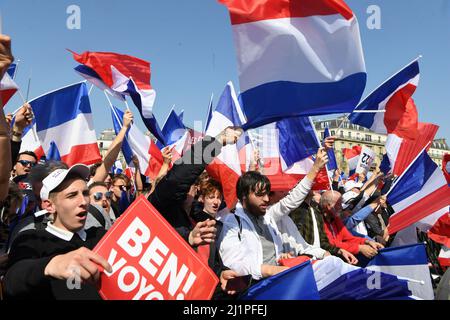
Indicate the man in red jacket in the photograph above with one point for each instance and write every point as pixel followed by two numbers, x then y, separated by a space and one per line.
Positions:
pixel 337 233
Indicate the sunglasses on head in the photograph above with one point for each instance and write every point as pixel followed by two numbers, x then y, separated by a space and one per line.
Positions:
pixel 27 163
pixel 123 187
pixel 99 195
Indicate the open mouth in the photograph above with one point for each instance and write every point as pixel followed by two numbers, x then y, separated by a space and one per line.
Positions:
pixel 82 215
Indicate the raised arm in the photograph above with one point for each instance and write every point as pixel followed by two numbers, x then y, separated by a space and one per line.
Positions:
pixel 6 59
pixel 114 149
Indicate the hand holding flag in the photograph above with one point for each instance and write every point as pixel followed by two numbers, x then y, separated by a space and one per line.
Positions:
pixel 230 135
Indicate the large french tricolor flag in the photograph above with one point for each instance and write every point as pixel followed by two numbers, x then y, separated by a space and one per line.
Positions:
pixel 176 135
pixel 7 89
pixel 390 109
pixel 352 157
pixel 406 262
pixel 226 167
pixel 121 75
pixel 136 143
pixel 420 192
pixel 296 57
pixel 64 117
pixel 329 279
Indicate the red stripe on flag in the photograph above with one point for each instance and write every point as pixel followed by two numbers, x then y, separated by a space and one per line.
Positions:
pixel 85 153
pixel 129 66
pixel 244 11
pixel 6 95
pixel 155 162
pixel 409 149
pixel 353 152
pixel 401 117
pixel 420 209
pixel 440 232
pixel 227 177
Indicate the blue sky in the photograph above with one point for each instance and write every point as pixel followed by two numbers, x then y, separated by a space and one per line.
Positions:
pixel 190 46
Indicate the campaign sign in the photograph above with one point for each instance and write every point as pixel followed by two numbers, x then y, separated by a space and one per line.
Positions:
pixel 365 160
pixel 151 261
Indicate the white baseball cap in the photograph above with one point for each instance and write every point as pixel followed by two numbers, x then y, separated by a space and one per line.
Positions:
pixel 347 199
pixel 349 185
pixel 54 179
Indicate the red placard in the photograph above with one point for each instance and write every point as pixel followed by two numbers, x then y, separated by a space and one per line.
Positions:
pixel 151 261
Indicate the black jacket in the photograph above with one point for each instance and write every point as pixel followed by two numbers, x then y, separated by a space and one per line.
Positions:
pixel 31 252
pixel 170 193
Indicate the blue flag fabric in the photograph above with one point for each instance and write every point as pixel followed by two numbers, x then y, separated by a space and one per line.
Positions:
pixel 296 283
pixel 332 164
pixel 53 152
pixel 12 70
pixel 297 139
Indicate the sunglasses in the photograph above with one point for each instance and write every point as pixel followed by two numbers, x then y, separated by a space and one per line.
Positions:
pixel 99 195
pixel 122 187
pixel 26 163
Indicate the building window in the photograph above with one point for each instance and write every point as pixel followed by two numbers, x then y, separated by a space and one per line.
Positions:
pixel 349 135
pixel 379 139
pixel 333 132
pixel 323 135
pixel 342 134
pixel 368 137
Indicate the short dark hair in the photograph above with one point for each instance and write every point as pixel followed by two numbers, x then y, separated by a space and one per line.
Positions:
pixel 28 153
pixel 97 184
pixel 121 177
pixel 94 167
pixel 249 181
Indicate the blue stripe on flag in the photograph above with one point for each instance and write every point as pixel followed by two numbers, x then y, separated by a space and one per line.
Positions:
pixel 227 106
pixel 414 254
pixel 297 139
pixel 274 101
pixel 356 285
pixel 332 163
pixel 380 94
pixel 58 107
pixel 12 70
pixel 151 123
pixel 296 283
pixel 413 179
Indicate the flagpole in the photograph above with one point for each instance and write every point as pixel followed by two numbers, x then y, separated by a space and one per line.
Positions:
pixel 409 166
pixel 209 110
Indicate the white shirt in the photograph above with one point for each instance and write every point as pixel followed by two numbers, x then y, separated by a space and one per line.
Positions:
pixel 64 234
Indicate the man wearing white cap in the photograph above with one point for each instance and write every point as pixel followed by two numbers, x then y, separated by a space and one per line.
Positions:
pixel 56 262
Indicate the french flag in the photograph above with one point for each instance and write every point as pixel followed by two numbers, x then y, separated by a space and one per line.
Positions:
pixel 402 151
pixel 421 191
pixel 440 233
pixel 352 157
pixel 136 143
pixel 7 89
pixel 287 148
pixel 328 279
pixel 296 57
pixel 64 121
pixel 176 135
pixel 390 109
pixel 30 140
pixel 226 167
pixel 121 75
pixel 408 262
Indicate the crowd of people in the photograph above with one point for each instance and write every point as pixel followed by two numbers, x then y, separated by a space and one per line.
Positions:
pixel 52 215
